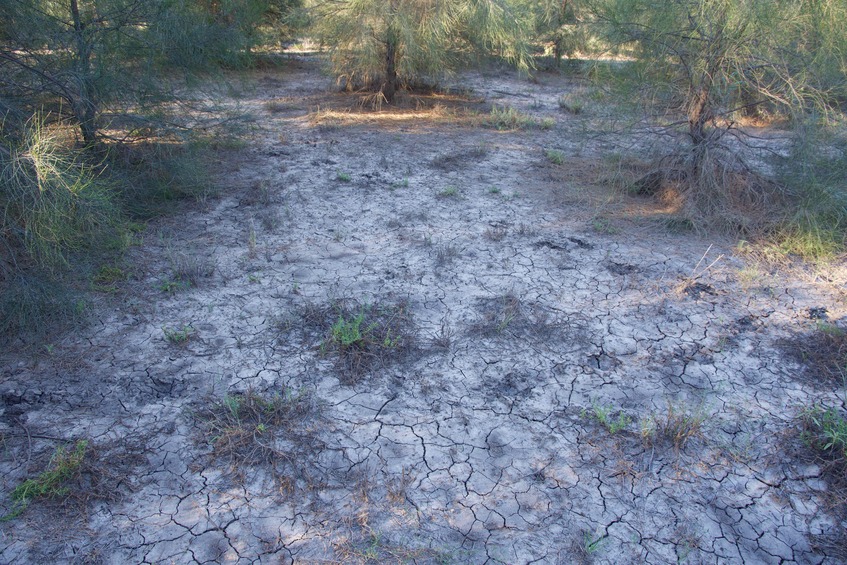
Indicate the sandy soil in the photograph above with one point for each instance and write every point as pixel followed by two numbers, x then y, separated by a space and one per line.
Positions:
pixel 515 313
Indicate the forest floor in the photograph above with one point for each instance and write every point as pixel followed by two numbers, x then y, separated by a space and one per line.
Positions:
pixel 404 336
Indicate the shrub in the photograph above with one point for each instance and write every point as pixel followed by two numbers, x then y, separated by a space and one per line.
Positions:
pixel 52 202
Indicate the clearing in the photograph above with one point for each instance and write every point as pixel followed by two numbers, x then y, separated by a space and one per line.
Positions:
pixel 406 336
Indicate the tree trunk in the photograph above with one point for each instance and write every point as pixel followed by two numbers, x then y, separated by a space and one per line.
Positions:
pixel 83 104
pixel 559 42
pixel 389 85
pixel 699 114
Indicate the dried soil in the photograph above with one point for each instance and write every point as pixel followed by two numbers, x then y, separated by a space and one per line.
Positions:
pixel 534 294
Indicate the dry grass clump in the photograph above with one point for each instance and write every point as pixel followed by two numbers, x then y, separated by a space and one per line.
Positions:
pixel 360 337
pixel 365 337
pixel 274 432
pixel 455 160
pixel 823 353
pixel 507 118
pixel 508 315
pixel 675 427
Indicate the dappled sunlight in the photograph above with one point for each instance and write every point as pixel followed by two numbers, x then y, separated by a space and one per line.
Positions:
pixel 436 114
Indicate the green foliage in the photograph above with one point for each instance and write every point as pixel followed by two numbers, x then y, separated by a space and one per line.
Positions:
pixel 449 192
pixel 86 59
pixel 178 336
pixel 559 24
pixel 507 118
pixel 171 286
pixel 385 45
pixel 816 171
pixel 52 482
pixel 604 416
pixel 107 277
pixel 554 156
pixel 348 333
pixel 826 431
pixel 52 202
pixel 700 64
pixel 711 57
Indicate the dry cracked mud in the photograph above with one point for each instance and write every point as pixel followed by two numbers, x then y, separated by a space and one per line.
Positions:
pixel 506 330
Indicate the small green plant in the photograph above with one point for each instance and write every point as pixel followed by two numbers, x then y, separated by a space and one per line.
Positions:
pixel 52 482
pixel 107 277
pixel 172 286
pixel 604 415
pixel 178 336
pixel 826 431
pixel 344 177
pixel 554 156
pixel 494 190
pixel 547 124
pixel 604 225
pixel 349 332
pixel 449 192
pixel 592 545
pixel 400 184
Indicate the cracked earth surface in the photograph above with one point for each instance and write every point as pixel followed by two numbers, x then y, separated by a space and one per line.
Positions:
pixel 479 445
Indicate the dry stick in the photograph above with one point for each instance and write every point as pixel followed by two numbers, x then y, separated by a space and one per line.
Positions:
pixel 693 278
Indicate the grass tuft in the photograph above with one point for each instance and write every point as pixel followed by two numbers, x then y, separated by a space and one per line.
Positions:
pixel 605 417
pixel 554 156
pixel 824 431
pixel 815 171
pixel 676 427
pixel 367 337
pixel 50 483
pixel 274 432
pixel 506 118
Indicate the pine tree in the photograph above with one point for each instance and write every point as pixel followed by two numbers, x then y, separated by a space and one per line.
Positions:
pixel 105 54
pixel 714 60
pixel 386 44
